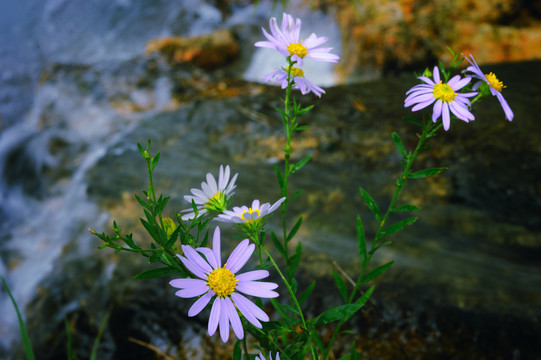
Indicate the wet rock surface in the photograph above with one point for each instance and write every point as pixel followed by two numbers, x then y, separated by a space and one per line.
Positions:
pixel 463 282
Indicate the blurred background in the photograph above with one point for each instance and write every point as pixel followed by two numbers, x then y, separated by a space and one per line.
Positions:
pixel 81 82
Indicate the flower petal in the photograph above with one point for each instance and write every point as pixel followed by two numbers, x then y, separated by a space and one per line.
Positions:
pixel 224 320
pixel 252 275
pixel 214 316
pixel 259 289
pixel 240 256
pixel 200 304
pixel 236 324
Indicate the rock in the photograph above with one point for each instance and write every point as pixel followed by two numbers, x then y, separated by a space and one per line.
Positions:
pixel 207 51
pixel 382 36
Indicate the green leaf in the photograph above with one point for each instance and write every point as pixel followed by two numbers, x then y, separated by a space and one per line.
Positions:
pixel 279 176
pixel 294 229
pixel 291 309
pixel 154 161
pixel 154 273
pixel 22 328
pixel 371 204
pixel 306 293
pixel 337 313
pixel 129 241
pixel 279 308
pixel 377 272
pixel 407 208
pixel 364 298
pixel 71 354
pixel 361 239
pixel 341 285
pixel 301 128
pixel 142 202
pixel 150 229
pixel 237 351
pixel 426 172
pixel 305 110
pixel 391 229
pixel 295 194
pixel 300 164
pixel 278 244
pixel 101 330
pixel 411 120
pixel 294 260
pixel 399 145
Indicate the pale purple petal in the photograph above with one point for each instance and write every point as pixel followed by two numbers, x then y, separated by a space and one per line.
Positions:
pixel 422 105
pixel 196 270
pixel 209 255
pixel 195 258
pixel 214 318
pixel 250 310
pixel 259 289
pixel 224 320
pixel 216 247
pixel 186 283
pixel 436 75
pixel 508 112
pixel 252 275
pixel 240 256
pixel 192 291
pixel 446 118
pixel 436 112
pixel 200 304
pixel 236 324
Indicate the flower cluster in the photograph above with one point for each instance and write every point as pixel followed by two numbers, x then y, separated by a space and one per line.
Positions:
pixel 222 285
pixel 447 97
pixel 286 40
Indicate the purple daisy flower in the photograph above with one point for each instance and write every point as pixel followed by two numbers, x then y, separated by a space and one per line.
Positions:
pixel 286 41
pixel 495 85
pixel 213 196
pixel 224 285
pixel 445 97
pixel 300 81
pixel 261 357
pixel 245 214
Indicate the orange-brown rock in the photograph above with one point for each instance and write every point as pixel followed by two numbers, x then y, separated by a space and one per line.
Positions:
pixel 379 35
pixel 207 51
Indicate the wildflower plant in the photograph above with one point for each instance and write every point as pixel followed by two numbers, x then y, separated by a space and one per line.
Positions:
pixel 196 271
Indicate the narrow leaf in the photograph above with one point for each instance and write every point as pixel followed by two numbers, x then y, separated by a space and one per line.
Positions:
pixel 278 244
pixel 237 353
pixel 399 144
pixel 336 313
pixel 377 271
pixel 306 293
pixel 396 227
pixel 300 164
pixel 71 355
pixel 154 161
pixel 22 328
pixel 279 176
pixel 361 239
pixel 154 273
pixel 279 308
pixel 426 172
pixel 294 260
pixel 371 204
pixel 407 208
pixel 341 285
pixel 411 120
pixel 294 229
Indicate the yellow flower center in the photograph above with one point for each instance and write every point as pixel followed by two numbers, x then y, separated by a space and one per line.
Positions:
pixel 494 82
pixel 295 72
pixel 250 211
pixel 297 49
pixel 222 282
pixel 444 92
pixel 217 203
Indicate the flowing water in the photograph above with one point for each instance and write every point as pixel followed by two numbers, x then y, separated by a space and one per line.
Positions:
pixel 68 161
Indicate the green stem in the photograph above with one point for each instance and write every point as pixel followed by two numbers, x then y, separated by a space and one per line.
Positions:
pixel 428 132
pixel 292 296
